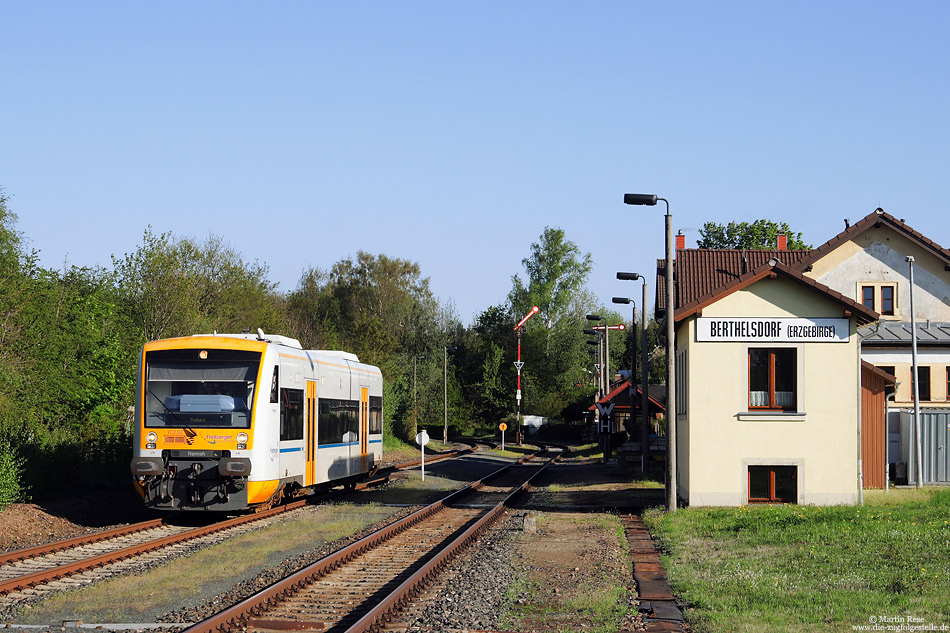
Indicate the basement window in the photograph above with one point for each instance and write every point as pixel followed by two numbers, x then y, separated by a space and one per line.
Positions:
pixel 773 484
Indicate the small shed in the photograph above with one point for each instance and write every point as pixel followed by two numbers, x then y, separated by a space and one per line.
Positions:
pixel 875 385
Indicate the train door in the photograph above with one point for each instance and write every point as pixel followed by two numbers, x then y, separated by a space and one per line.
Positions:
pixel 364 428
pixel 311 439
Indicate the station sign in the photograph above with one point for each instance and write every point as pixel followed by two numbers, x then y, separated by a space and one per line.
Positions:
pixel 773 330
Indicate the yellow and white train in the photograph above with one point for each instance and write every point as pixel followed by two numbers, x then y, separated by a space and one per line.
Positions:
pixel 232 421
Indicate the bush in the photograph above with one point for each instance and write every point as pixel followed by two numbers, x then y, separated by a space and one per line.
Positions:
pixel 11 473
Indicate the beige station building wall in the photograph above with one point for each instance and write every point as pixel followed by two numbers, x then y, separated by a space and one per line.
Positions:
pixel 719 438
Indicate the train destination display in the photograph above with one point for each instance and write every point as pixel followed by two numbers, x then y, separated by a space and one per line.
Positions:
pixel 790 330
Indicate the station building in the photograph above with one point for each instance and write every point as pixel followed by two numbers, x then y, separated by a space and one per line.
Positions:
pixel 768 390
pixel 786 365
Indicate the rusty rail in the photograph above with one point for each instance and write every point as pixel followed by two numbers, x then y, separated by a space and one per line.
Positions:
pixel 62 571
pixel 238 615
pixel 77 541
pixel 401 594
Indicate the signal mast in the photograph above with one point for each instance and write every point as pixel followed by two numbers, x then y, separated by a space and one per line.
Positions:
pixel 518 365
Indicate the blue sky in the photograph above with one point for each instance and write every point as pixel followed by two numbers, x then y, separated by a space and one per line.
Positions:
pixel 452 133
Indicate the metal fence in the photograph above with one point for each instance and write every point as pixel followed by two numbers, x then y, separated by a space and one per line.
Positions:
pixel 935 447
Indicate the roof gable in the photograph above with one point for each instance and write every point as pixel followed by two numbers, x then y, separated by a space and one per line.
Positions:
pixel 775 268
pixel 621 394
pixel 875 219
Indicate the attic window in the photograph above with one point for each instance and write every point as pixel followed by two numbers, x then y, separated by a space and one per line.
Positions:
pixel 882 298
pixel 887 300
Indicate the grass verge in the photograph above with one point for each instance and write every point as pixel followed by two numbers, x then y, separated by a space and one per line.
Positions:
pixel 807 568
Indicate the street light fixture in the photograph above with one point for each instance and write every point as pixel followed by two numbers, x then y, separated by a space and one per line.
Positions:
pixel 671 492
pixel 445 401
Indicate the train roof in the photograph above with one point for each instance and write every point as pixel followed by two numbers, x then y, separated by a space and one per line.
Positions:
pixel 287 342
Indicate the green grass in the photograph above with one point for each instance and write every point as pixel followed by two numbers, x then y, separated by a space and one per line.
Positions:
pixel 807 568
pixel 391 443
pixel 513 451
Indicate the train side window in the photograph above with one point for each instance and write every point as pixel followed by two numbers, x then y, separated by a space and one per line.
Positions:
pixel 375 414
pixel 273 385
pixel 337 417
pixel 291 414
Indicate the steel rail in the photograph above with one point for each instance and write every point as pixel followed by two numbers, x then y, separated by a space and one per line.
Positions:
pixel 77 541
pixel 62 571
pixel 401 595
pixel 237 616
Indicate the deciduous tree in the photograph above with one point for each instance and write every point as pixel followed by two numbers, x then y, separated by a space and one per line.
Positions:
pixel 760 234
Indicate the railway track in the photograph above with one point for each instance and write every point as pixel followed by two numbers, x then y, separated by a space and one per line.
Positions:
pixel 84 563
pixel 362 586
pixel 85 559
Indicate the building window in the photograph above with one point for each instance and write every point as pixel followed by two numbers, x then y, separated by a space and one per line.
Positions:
pixel 681 386
pixel 923 381
pixel 773 484
pixel 887 300
pixel 772 378
pixel 882 298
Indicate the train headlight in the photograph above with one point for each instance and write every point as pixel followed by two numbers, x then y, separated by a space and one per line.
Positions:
pixel 203 354
pixel 151 438
pixel 242 438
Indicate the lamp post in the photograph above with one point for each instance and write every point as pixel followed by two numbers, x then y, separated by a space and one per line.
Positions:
pixel 671 492
pixel 644 369
pixel 915 379
pixel 445 401
pixel 605 367
pixel 415 403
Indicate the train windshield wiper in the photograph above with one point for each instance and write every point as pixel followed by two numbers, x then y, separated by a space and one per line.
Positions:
pixel 188 430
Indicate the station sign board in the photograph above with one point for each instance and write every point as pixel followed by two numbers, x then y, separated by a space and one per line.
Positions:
pixel 772 330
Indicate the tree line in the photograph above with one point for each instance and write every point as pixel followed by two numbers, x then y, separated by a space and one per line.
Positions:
pixel 70 339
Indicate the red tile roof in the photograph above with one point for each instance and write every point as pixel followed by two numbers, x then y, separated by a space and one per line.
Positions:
pixel 698 272
pixel 775 267
pixel 622 388
pixel 706 269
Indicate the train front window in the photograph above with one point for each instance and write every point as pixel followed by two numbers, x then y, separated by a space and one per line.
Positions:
pixel 184 390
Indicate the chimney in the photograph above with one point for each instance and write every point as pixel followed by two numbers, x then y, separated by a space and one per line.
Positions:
pixel 782 242
pixel 680 241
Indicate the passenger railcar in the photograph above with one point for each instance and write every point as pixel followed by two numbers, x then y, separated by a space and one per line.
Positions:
pixel 232 421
